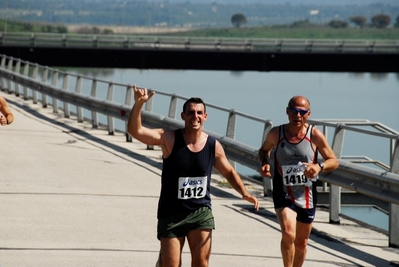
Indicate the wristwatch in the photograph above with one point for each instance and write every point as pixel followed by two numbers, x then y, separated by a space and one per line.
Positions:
pixel 321 165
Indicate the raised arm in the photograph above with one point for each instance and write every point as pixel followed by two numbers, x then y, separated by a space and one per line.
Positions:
pixel 156 137
pixel 7 117
pixel 225 169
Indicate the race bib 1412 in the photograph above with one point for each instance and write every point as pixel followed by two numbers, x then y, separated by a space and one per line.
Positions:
pixel 192 187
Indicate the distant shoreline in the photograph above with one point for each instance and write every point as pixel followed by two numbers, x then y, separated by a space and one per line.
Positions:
pixel 128 29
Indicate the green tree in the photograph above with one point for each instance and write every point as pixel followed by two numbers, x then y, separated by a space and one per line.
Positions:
pixel 300 24
pixel 47 28
pixel 380 21
pixel 62 29
pixel 108 31
pixel 338 24
pixel 397 22
pixel 238 20
pixel 27 27
pixel 358 20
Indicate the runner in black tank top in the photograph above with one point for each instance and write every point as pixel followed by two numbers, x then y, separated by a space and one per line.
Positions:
pixel 186 178
pixel 189 154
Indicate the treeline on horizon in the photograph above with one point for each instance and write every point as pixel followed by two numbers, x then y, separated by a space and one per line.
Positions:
pixel 373 21
pixel 184 14
pixel 301 29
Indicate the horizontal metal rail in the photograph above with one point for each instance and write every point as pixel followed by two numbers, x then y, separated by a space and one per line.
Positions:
pixel 236 151
pixel 378 184
pixel 381 184
pixel 197 43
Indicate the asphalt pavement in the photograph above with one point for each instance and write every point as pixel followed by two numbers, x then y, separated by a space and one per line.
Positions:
pixel 73 196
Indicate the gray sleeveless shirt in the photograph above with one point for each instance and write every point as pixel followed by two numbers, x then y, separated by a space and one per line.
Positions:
pixel 289 181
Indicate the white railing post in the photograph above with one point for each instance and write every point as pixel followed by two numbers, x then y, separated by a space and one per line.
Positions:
pixel 94 114
pixel 149 104
pixel 3 80
pixel 17 70
pixel 34 76
pixel 110 97
pixel 26 74
pixel 231 130
pixel 148 107
pixel 128 102
pixel 393 225
pixel 395 156
pixel 44 80
pixel 268 182
pixel 335 190
pixel 65 81
pixel 78 90
pixel 54 82
pixel 10 64
pixel 394 208
pixel 173 107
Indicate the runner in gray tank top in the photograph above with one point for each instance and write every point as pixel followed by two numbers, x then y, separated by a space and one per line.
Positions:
pixel 296 146
pixel 289 181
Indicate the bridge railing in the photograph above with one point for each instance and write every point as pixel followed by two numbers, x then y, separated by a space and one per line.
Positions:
pixel 194 43
pixel 42 84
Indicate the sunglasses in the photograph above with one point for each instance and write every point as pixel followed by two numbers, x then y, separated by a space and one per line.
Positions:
pixel 295 111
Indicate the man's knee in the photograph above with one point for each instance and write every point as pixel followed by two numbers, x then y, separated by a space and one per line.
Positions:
pixel 301 244
pixel 288 236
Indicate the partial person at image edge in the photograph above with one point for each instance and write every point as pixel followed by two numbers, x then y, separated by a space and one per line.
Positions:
pixel 6 116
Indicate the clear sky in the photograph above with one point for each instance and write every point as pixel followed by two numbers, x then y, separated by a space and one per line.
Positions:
pixel 298 2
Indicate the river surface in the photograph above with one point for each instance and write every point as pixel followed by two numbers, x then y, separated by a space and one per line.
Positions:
pixel 370 96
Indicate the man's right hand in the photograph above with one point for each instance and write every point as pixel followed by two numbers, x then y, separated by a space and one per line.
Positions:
pixel 141 95
pixel 265 170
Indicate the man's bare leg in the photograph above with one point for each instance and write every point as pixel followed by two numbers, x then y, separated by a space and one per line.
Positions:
pixel 171 249
pixel 200 242
pixel 287 220
pixel 301 241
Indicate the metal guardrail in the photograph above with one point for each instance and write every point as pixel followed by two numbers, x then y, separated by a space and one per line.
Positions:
pixel 197 43
pixel 380 183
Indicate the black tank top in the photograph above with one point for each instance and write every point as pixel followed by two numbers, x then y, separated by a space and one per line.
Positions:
pixel 186 178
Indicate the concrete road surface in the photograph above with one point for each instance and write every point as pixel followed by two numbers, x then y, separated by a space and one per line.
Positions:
pixel 75 196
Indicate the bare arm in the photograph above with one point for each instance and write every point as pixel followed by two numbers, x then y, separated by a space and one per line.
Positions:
pixel 331 162
pixel 225 168
pixel 156 137
pixel 265 150
pixel 7 117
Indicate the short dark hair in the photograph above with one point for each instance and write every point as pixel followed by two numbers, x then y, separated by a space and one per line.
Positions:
pixel 195 100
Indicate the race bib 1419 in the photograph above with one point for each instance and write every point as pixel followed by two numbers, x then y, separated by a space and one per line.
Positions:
pixel 293 176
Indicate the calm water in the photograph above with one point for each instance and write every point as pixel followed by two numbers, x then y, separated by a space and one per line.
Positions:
pixel 367 214
pixel 265 94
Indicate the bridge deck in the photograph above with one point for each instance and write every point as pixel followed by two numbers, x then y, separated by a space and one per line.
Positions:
pixel 76 196
pixel 149 58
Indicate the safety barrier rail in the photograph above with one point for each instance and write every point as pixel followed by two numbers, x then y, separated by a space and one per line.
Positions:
pixel 197 43
pixel 40 83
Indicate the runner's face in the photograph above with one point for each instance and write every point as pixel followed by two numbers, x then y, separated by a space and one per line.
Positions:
pixel 298 113
pixel 194 115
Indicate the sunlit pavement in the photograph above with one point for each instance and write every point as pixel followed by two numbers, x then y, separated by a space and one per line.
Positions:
pixel 75 196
